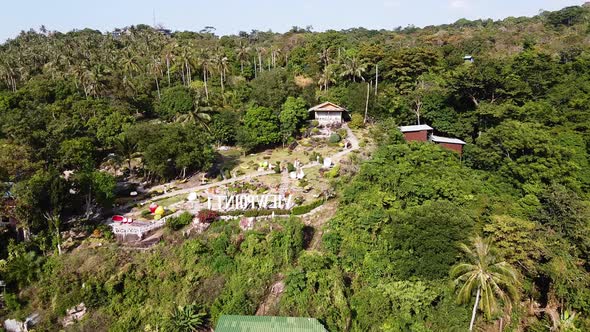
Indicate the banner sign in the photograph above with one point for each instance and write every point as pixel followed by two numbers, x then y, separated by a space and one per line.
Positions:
pixel 249 202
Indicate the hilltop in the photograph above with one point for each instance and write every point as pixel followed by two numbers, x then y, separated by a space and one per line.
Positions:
pixel 387 237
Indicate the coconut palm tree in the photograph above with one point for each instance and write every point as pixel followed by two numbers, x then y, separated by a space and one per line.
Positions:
pixel 486 275
pixel 354 68
pixel 243 53
pixel 204 61
pixel 325 56
pixel 54 222
pixel 326 77
pixel 126 148
pixel 199 115
pixel 220 62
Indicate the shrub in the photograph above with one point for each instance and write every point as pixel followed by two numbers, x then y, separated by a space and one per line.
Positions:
pixel 356 121
pixel 176 223
pixel 145 213
pixel 299 210
pixel 335 138
pixel 314 157
pixel 207 216
pixel 342 132
pixel 334 172
pixel 315 123
pixel 290 167
pixel 277 168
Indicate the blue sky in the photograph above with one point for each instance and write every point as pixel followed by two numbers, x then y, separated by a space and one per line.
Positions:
pixel 232 16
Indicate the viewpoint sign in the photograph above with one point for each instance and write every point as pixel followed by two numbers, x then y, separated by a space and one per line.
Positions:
pixel 249 202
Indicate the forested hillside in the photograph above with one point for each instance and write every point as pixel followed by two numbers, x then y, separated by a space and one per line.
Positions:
pixel 420 232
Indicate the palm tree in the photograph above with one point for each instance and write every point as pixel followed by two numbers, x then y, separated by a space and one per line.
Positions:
pixel 199 115
pixel 188 318
pixel 242 53
pixel 126 148
pixel 485 274
pixel 354 68
pixel 220 61
pixel 204 62
pixel 326 77
pixel 168 57
pixel 325 57
pixel 155 69
pixel 54 222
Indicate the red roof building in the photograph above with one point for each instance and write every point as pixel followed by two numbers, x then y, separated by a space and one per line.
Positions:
pixel 449 143
pixel 416 133
pixel 423 133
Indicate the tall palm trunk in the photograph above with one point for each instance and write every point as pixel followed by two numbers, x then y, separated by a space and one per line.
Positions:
pixel 168 69
pixel 205 81
pixel 474 309
pixel 367 104
pixel 158 88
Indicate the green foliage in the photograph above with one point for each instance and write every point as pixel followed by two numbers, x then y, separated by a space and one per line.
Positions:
pixel 334 138
pixel 188 318
pixel 169 149
pixel 292 117
pixel 176 223
pixel 334 172
pixel 356 121
pixel 223 127
pixel 175 101
pixel 523 180
pixel 261 128
pixel 303 209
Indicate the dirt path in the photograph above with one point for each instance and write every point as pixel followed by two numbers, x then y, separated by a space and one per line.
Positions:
pixel 271 302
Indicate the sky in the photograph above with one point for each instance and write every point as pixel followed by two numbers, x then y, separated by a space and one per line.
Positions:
pixel 233 16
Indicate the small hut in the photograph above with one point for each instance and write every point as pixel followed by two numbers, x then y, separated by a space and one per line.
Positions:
pixel 454 144
pixel 328 113
pixel 416 133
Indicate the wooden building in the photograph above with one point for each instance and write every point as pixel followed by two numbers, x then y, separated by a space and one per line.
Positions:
pixel 416 133
pixel 423 133
pixel 448 143
pixel 328 113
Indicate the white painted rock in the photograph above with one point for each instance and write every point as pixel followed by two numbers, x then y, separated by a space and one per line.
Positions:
pixel 192 197
pixel 327 162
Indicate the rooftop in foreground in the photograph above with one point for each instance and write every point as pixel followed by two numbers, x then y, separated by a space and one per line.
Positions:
pixel 231 323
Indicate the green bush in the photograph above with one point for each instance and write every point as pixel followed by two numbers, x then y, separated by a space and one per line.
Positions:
pixel 335 138
pixel 145 213
pixel 255 213
pixel 356 121
pixel 334 172
pixel 314 157
pixel 290 167
pixel 342 132
pixel 176 223
pixel 299 210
